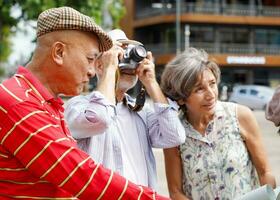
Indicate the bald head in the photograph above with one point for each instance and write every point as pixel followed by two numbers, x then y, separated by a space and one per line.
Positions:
pixel 66 57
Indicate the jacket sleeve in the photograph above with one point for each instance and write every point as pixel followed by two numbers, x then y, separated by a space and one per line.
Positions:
pixel 164 126
pixel 89 115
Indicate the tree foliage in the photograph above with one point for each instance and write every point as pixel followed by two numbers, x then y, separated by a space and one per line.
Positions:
pixel 2 71
pixel 117 11
pixel 30 9
pixel 6 22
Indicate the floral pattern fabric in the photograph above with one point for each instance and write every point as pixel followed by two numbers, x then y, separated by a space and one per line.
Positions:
pixel 217 166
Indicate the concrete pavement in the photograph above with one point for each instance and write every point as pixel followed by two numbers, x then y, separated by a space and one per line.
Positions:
pixel 271 142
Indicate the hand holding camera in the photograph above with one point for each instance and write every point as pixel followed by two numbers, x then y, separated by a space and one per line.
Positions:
pixel 133 55
pixel 146 71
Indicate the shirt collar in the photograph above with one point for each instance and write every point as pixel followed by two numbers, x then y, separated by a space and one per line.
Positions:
pixel 33 82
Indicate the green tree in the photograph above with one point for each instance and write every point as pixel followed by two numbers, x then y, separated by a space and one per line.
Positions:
pixel 6 23
pixel 117 11
pixel 30 10
pixel 2 72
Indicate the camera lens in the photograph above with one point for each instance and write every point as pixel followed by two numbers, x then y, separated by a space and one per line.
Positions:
pixel 138 53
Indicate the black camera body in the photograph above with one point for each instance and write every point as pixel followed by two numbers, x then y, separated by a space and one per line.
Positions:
pixel 132 56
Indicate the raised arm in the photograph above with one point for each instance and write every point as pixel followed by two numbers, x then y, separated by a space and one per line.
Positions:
pixel 146 74
pixel 89 115
pixel 106 69
pixel 164 126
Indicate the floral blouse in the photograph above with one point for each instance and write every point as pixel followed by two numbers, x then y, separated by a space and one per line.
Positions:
pixel 217 166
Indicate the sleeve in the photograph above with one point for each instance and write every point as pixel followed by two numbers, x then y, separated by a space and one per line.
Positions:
pixel 164 126
pixel 36 139
pixel 273 108
pixel 90 115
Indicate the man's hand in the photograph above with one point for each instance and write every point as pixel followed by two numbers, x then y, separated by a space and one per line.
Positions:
pixel 109 60
pixel 146 70
pixel 147 76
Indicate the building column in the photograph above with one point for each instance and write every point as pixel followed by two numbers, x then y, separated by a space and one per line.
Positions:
pixel 259 10
pixel 178 26
pixel 250 77
pixel 128 20
pixel 223 6
pixel 252 41
pixel 187 35
pixel 252 7
pixel 217 6
pixel 217 41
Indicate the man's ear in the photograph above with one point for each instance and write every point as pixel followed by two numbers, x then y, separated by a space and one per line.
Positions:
pixel 58 50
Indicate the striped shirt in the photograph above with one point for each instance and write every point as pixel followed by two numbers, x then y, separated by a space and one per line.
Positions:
pixel 113 134
pixel 38 157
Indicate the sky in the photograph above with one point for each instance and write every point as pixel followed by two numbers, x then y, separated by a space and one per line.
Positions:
pixel 22 45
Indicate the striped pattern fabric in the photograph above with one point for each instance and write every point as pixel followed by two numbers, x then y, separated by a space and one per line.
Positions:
pixel 66 18
pixel 38 157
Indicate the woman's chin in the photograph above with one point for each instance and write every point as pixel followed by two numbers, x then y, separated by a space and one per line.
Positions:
pixel 210 108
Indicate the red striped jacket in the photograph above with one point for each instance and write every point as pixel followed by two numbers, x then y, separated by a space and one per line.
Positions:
pixel 38 157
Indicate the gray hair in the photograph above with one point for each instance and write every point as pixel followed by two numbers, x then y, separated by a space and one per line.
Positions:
pixel 182 73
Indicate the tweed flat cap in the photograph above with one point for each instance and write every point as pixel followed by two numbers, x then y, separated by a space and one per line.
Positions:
pixel 66 18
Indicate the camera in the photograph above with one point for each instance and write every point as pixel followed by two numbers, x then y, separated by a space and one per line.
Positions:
pixel 132 56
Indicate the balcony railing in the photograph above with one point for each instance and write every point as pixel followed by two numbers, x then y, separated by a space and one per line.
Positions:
pixel 210 8
pixel 222 48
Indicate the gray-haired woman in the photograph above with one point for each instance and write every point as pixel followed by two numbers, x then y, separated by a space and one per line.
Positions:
pixel 223 156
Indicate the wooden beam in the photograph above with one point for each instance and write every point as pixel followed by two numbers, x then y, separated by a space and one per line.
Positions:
pixel 221 60
pixel 209 19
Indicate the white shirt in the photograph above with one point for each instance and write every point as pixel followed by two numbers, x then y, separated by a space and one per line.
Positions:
pixel 134 167
pixel 101 132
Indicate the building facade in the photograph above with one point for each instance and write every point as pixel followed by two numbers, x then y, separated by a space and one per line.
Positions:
pixel 243 36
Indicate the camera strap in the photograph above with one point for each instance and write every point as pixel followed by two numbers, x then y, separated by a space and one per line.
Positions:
pixel 140 101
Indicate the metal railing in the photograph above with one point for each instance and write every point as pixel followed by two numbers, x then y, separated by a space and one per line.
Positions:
pixel 220 48
pixel 210 8
pixel 162 48
pixel 270 11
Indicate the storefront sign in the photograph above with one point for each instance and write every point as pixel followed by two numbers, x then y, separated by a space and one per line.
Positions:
pixel 246 60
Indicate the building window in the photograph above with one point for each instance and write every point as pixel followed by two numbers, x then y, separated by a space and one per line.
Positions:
pixel 201 34
pixel 266 36
pixel 234 35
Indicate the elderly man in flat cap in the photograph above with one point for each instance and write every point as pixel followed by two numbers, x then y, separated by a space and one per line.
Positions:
pixel 38 157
